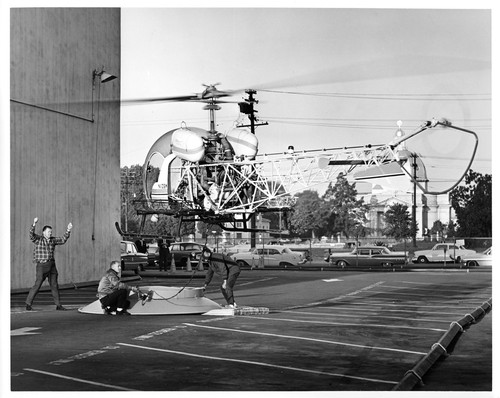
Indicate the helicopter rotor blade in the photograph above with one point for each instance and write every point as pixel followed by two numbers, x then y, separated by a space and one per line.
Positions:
pixel 211 93
pixel 181 98
pixel 382 68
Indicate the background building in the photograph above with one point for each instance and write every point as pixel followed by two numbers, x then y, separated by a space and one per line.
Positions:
pixel 236 237
pixel 65 137
pixel 430 208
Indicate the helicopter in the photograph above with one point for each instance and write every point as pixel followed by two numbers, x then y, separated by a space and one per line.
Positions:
pixel 222 178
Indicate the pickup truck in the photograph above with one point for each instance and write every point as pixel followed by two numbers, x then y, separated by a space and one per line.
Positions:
pixel 442 252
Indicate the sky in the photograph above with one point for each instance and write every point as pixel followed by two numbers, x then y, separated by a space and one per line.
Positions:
pixel 325 77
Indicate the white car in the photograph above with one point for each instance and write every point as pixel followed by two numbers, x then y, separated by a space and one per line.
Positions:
pixel 273 255
pixel 483 258
pixel 442 252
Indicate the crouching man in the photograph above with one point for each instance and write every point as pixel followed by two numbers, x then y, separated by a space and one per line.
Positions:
pixel 226 268
pixel 113 293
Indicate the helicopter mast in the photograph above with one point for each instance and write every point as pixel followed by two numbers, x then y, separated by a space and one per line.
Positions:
pixel 212 107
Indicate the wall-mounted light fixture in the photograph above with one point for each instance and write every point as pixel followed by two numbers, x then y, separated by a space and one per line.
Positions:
pixel 104 76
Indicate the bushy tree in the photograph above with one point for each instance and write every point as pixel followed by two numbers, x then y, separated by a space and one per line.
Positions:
pixel 169 226
pixel 132 190
pixel 438 228
pixel 207 229
pixel 308 216
pixel 346 213
pixel 451 229
pixel 398 222
pixel 472 205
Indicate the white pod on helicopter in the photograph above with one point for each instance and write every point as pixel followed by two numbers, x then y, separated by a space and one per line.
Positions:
pixel 188 145
pixel 244 143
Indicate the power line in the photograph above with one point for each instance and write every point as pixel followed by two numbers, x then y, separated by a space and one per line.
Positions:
pixel 398 97
pixel 325 123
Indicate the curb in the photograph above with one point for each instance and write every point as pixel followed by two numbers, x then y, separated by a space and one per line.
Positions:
pixel 415 375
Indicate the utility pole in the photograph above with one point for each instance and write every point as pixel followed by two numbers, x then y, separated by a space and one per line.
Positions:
pixel 414 206
pixel 126 183
pixel 247 108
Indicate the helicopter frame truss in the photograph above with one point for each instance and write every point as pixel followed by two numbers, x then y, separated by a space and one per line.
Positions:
pixel 269 182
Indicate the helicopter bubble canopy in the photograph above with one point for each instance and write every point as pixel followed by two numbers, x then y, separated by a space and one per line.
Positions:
pixel 159 152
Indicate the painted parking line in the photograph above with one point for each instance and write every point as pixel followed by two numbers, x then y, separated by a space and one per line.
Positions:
pixel 370 325
pixel 407 305
pixel 24 331
pixel 381 309
pixel 79 380
pixel 338 298
pixel 307 339
pixel 323 314
pixel 428 296
pixel 432 288
pixel 265 364
pixel 257 281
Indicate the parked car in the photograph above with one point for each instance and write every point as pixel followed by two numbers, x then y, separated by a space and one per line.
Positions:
pixel 153 255
pixel 442 252
pixel 368 256
pixel 273 255
pixel 184 250
pixel 306 254
pixel 475 260
pixel 131 259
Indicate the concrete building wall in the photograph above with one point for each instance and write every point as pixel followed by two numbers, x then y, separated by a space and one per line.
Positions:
pixel 65 138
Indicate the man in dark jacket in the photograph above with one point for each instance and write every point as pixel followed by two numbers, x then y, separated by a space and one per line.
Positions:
pixel 113 293
pixel 225 267
pixel 164 254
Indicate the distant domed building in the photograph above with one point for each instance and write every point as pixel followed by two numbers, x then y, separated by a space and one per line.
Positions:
pixel 430 208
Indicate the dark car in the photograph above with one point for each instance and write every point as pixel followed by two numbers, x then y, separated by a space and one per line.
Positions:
pixel 131 259
pixel 184 250
pixel 368 256
pixel 153 255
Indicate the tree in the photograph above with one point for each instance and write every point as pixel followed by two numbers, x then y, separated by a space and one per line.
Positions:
pixel 438 229
pixel 472 205
pixel 398 222
pixel 207 229
pixel 308 215
pixel 346 213
pixel 451 229
pixel 132 190
pixel 169 226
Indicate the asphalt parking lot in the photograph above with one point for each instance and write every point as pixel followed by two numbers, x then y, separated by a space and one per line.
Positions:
pixel 326 331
